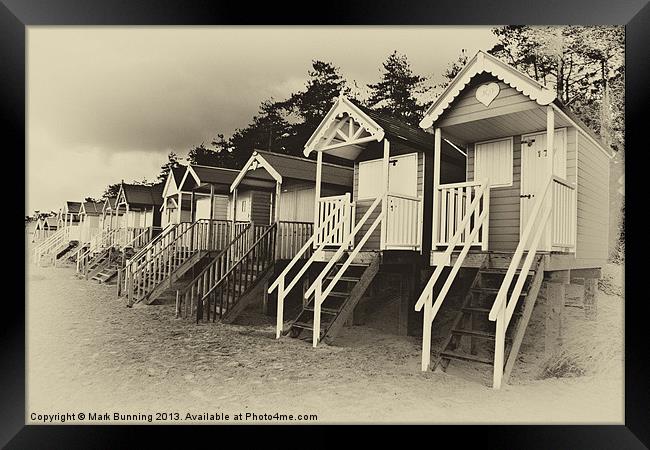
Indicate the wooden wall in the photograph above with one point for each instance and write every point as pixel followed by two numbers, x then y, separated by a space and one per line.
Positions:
pixel 593 202
pixel 467 108
pixel 504 203
pixel 373 152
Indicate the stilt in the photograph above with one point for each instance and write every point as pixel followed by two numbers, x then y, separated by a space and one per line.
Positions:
pixel 555 300
pixel 590 301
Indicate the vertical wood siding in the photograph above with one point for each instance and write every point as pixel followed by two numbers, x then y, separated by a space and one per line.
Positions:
pixel 593 207
pixel 504 203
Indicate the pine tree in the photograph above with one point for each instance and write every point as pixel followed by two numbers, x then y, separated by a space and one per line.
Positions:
pixel 397 90
pixel 172 163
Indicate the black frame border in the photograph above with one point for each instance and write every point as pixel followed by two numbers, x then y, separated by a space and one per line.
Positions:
pixel 16 15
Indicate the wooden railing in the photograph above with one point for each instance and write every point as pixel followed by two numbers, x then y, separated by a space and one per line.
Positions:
pixel 564 215
pixel 344 212
pixel 454 201
pixel 186 299
pixel 102 240
pixel 317 286
pixel 476 216
pixel 239 278
pixel 503 308
pixel 403 221
pixel 327 222
pixel 291 236
pixel 52 245
pixel 174 249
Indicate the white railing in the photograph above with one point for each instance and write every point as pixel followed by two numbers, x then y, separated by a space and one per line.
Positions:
pixel 344 209
pixel 564 215
pixel 403 221
pixel 53 244
pixel 280 282
pixel 317 286
pixel 503 308
pixel 476 217
pixel 454 201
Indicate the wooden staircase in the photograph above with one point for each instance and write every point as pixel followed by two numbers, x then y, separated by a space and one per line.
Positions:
pixel 472 335
pixel 236 285
pixel 103 266
pixel 338 306
pixel 64 255
pixel 156 268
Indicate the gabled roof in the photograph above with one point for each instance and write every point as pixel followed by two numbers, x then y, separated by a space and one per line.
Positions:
pixel 173 179
pixel 344 106
pixel 208 175
pixel 72 207
pixel 485 63
pixel 140 194
pixel 91 208
pixel 280 166
pixel 109 203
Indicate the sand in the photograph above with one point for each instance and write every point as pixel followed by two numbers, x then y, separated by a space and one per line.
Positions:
pixel 87 352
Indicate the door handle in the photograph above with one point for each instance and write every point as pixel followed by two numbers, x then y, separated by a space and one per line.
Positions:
pixel 526 195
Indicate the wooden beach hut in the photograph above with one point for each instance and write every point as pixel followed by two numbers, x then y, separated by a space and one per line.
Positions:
pixel 532 209
pixel 171 209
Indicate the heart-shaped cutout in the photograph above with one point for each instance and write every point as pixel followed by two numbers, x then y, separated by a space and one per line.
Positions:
pixel 487 92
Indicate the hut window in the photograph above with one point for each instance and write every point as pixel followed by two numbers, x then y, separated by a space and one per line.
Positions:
pixel 493 161
pixel 370 179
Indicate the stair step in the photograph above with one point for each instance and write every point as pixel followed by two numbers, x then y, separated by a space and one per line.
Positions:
pixel 303 325
pixel 503 271
pixel 475 333
pixel 339 294
pixel 331 311
pixel 465 357
pixel 350 279
pixel 477 309
pixel 489 290
pixel 352 264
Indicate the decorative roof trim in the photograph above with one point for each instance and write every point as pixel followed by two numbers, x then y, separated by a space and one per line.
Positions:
pixel 340 107
pixel 253 163
pixel 483 62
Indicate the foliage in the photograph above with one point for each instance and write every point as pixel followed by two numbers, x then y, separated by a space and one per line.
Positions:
pixel 111 190
pixel 172 163
pixel 563 364
pixel 397 91
pixel 584 64
pixel 452 70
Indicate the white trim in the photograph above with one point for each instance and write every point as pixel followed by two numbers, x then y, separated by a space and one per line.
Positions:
pixel 256 158
pixel 340 107
pixel 190 171
pixel 510 139
pixel 455 146
pixel 483 62
pixel 581 130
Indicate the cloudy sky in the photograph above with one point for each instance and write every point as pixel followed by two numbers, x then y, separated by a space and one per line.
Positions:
pixel 106 104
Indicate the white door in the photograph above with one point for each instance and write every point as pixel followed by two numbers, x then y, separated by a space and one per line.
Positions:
pixel 403 208
pixel 202 208
pixel 536 170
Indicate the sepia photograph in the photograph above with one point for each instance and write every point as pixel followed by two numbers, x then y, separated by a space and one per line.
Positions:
pixel 325 224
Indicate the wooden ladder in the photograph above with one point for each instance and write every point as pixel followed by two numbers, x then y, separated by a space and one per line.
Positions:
pixel 471 327
pixel 339 305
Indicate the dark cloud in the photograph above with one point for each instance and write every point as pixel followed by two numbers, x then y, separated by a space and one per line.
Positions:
pixel 96 95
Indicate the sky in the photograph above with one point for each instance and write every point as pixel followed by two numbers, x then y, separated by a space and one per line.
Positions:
pixel 109 103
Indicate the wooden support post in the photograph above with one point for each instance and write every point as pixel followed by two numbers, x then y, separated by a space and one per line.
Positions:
pixel 545 243
pixel 384 194
pixel 437 150
pixel 590 301
pixel 210 229
pixel 406 283
pixel 265 299
pixel 555 299
pixel 319 170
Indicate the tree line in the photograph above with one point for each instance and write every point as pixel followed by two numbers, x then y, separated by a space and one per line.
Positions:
pixel 584 64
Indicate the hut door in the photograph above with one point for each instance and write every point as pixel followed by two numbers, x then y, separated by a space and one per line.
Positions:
pixel 536 170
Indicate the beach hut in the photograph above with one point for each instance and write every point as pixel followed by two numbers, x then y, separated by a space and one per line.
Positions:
pixel 203 186
pixel 384 220
pixel 138 209
pixel 173 197
pixel 90 214
pixel 522 208
pixel 45 227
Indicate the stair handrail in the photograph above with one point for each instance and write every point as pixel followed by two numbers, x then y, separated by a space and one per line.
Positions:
pixel 135 271
pixel 516 258
pixel 182 294
pixel 502 309
pixel 303 249
pixel 320 295
pixel 345 244
pixel 239 261
pixel 426 297
pixel 50 241
pixel 132 241
pixel 460 229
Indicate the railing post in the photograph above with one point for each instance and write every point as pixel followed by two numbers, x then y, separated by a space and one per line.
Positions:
pixel 426 334
pixel 437 147
pixel 499 348
pixel 485 232
pixel 317 302
pixel 279 322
